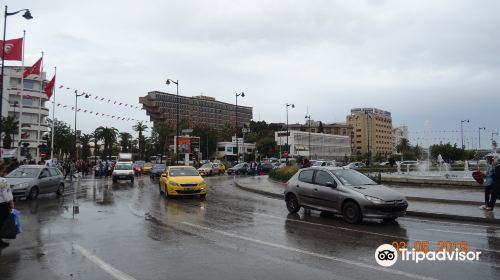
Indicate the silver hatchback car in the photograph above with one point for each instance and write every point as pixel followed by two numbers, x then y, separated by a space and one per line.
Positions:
pixel 343 191
pixel 31 180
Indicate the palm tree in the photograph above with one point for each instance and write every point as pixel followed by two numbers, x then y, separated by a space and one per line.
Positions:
pixel 125 139
pixel 140 128
pixel 108 135
pixel 9 126
pixel 85 139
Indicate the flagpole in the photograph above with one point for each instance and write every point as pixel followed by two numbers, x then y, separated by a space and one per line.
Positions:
pixel 53 118
pixel 37 157
pixel 21 103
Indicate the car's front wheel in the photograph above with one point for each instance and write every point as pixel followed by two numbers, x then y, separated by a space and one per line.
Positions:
pixel 60 189
pixel 352 212
pixel 33 193
pixel 292 203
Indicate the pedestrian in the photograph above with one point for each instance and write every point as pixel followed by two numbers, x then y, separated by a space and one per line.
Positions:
pixel 6 202
pixel 491 188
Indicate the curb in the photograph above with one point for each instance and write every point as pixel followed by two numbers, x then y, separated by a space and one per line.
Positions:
pixel 264 193
pixel 440 200
pixel 408 213
pixel 452 217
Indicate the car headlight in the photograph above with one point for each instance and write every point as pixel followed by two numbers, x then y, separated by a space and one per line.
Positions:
pixel 172 183
pixel 375 200
pixel 20 186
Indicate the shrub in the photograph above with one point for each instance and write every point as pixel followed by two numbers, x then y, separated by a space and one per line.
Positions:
pixel 283 174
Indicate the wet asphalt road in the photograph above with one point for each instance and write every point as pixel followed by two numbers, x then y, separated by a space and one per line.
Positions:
pixel 125 231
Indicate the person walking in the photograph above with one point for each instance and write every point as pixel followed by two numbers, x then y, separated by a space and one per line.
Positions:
pixel 491 188
pixel 6 202
pixel 72 170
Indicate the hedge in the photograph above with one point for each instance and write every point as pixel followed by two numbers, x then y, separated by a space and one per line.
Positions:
pixel 283 174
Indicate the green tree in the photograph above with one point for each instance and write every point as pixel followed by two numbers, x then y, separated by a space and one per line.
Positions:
pixel 108 135
pixel 10 126
pixel 125 141
pixel 140 128
pixel 160 134
pixel 85 139
pixel 320 127
pixel 266 146
pixel 64 139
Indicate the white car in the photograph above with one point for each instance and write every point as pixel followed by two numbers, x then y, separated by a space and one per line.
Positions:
pixel 123 171
pixel 354 165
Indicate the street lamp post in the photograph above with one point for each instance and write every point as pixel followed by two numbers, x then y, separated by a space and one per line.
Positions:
pixel 287 131
pixel 15 106
pixel 462 131
pixel 26 15
pixel 479 139
pixel 492 139
pixel 242 94
pixel 308 116
pixel 177 113
pixel 76 111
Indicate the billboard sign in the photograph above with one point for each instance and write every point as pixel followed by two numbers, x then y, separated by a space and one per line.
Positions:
pixel 186 145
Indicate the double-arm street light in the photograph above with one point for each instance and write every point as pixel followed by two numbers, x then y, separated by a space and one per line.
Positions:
pixel 76 111
pixel 26 15
pixel 287 131
pixel 169 81
pixel 308 117
pixel 242 94
pixel 462 131
pixel 479 144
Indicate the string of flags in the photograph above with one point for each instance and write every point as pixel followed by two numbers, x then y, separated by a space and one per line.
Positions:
pixel 96 113
pixel 101 98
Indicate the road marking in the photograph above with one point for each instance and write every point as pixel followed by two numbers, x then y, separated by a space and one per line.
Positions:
pixel 332 258
pixel 462 232
pixel 117 274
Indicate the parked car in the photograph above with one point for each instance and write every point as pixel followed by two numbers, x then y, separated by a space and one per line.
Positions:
pixel 240 168
pixel 31 180
pixel 209 169
pixel 343 191
pixel 409 162
pixel 146 168
pixel 156 171
pixel 123 171
pixel 266 167
pixel 324 163
pixel 354 165
pixel 182 181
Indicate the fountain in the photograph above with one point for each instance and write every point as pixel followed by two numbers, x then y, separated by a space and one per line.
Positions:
pixel 424 175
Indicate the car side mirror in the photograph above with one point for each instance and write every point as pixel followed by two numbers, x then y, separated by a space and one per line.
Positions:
pixel 164 175
pixel 331 185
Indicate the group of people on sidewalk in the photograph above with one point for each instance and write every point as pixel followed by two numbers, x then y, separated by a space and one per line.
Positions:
pixel 491 183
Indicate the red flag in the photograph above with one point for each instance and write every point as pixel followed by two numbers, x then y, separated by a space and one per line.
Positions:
pixel 13 49
pixel 49 87
pixel 33 70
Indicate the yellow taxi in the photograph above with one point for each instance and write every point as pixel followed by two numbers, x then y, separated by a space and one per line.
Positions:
pixel 146 168
pixel 182 181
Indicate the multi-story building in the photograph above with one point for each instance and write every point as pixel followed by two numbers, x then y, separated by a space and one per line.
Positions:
pixel 322 146
pixel 399 133
pixel 372 131
pixel 29 104
pixel 328 128
pixel 162 107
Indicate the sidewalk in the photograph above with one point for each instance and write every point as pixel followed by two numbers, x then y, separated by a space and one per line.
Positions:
pixel 423 202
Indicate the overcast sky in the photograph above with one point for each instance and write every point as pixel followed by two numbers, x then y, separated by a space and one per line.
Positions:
pixel 434 62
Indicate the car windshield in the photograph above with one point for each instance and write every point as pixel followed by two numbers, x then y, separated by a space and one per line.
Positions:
pixel 159 166
pixel 23 173
pixel 183 171
pixel 352 178
pixel 207 165
pixel 147 164
pixel 123 167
